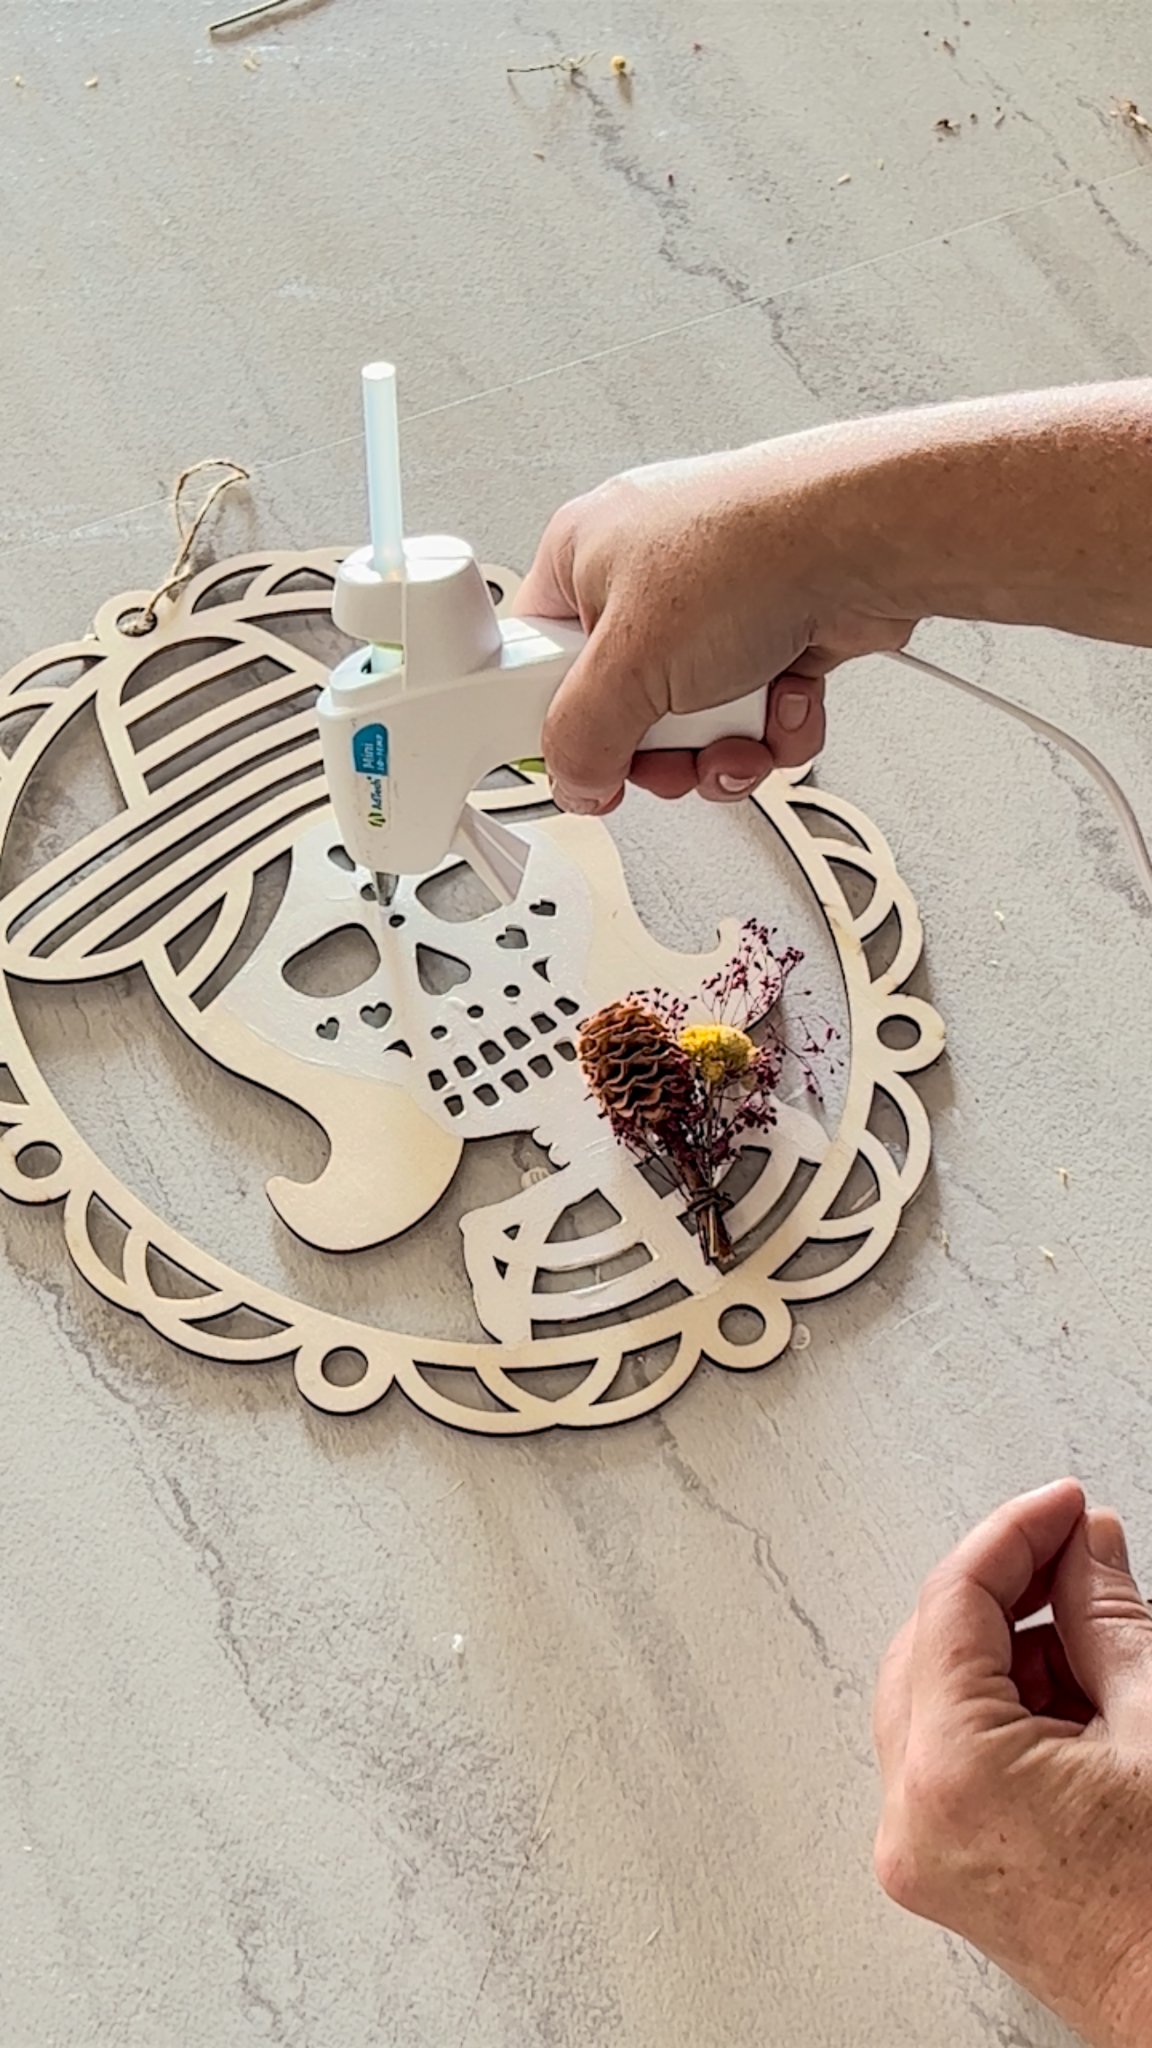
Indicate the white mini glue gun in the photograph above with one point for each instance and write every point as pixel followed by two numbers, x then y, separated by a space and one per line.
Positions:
pixel 444 691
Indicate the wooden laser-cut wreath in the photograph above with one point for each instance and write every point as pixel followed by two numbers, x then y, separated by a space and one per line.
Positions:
pixel 208 726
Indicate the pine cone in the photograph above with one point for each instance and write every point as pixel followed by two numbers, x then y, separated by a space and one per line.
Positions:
pixel 637 1073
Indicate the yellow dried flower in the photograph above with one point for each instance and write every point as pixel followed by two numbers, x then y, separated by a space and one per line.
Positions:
pixel 620 66
pixel 721 1052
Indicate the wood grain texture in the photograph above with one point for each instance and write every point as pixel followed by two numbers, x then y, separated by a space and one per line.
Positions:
pixel 323 1733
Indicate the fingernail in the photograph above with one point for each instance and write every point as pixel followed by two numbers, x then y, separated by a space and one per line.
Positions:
pixel 1105 1538
pixel 1049 1486
pixel 737 785
pixel 792 710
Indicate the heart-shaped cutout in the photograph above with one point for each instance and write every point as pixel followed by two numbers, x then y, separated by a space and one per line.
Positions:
pixel 376 1015
pixel 330 1028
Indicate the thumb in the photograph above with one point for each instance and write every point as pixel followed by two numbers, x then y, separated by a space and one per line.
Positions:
pixel 1103 1620
pixel 599 715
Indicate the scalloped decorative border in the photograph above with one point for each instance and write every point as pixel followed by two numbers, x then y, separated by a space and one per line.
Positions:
pixel 309 1337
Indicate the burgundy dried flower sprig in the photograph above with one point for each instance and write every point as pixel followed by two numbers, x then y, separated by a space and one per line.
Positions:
pixel 684 1095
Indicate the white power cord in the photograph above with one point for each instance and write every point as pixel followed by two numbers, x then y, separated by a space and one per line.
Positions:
pixel 1047 731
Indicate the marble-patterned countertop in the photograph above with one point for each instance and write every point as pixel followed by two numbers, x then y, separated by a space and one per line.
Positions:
pixel 331 1733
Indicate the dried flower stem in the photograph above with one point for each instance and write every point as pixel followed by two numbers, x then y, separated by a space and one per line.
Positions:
pixel 706 1210
pixel 683 1097
pixel 572 66
pixel 1129 113
pixel 247 14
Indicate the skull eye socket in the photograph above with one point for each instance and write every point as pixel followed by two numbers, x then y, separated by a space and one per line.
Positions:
pixel 456 895
pixel 333 964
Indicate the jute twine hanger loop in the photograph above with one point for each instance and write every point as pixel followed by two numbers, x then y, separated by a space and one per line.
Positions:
pixel 136 624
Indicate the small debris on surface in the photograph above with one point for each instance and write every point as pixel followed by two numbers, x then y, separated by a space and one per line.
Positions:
pixel 696 49
pixel 1046 1254
pixel 654 1936
pixel 1129 113
pixel 89 83
pixel 950 47
pixel 998 914
pixel 16 78
pixel 879 163
pixel 458 1646
pixel 946 127
pixel 801 1337
pixel 1064 1328
pixel 620 66
pixel 671 177
pixel 846 179
pixel 1063 1176
pixel 999 117
pixel 973 118
pixel 572 67
pixel 539 155
pixel 945 1241
pixel 250 62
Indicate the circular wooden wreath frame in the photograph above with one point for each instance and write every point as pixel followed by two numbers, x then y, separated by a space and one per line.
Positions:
pixel 311 1337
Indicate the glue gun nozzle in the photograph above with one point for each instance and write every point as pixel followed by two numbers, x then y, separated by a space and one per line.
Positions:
pixel 385 886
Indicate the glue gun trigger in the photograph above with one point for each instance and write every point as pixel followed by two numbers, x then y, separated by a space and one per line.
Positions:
pixel 498 855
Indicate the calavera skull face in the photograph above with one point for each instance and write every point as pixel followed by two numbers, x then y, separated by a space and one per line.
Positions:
pixel 451 1028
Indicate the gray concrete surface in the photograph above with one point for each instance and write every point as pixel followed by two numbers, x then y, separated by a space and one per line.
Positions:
pixel 249 1790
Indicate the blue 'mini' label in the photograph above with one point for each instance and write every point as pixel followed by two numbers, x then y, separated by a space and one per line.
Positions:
pixel 370 750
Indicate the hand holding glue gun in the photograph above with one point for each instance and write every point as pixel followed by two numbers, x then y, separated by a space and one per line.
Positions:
pixel 716 595
pixel 697 580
